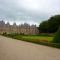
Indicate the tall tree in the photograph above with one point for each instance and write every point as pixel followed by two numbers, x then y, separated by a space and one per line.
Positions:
pixel 51 25
pixel 54 23
pixel 44 27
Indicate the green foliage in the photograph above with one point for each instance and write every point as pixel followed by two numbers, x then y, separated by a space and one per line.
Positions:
pixel 51 25
pixel 57 37
pixel 46 34
pixel 54 23
pixel 43 40
pixel 41 37
pixel 43 27
pixel 4 33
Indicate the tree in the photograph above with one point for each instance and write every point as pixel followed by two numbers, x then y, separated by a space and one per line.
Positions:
pixel 54 23
pixel 43 27
pixel 57 37
pixel 51 25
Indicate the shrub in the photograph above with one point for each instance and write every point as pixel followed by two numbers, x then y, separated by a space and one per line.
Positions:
pixel 57 37
pixel 4 33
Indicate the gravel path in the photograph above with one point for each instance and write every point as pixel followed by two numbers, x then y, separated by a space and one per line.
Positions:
pixel 11 49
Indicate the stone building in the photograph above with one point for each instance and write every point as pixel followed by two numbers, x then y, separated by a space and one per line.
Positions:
pixel 20 29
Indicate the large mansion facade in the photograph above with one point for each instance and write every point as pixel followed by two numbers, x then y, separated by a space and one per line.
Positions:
pixel 21 29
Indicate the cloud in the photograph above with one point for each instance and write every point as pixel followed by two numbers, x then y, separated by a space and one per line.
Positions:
pixel 33 11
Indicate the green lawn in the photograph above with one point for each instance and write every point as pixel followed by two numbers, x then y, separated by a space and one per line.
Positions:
pixel 39 39
pixel 34 38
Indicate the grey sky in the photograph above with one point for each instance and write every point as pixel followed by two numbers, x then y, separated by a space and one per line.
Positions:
pixel 30 11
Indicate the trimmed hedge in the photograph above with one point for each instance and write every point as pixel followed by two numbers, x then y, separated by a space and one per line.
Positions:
pixel 57 37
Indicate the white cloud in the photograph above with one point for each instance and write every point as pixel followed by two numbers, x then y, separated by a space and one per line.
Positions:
pixel 28 10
